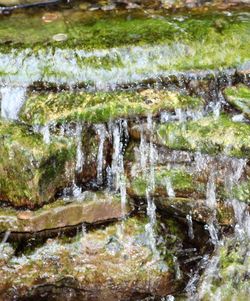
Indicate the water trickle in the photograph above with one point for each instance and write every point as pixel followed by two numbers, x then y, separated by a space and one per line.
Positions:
pixel 12 101
pixel 148 157
pixel 211 191
pixel 45 131
pixel 190 226
pixel 117 167
pixel 6 236
pixel 79 151
pixel 169 187
pixel 210 227
pixel 102 134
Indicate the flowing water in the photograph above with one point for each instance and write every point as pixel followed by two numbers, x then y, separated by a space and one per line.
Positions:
pixel 150 191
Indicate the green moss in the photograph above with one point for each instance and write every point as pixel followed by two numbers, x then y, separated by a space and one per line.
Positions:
pixel 101 106
pixel 181 181
pixel 239 97
pixel 205 41
pixel 242 191
pixel 30 170
pixel 208 135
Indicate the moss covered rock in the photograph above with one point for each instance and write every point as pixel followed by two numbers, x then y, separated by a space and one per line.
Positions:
pixel 31 171
pixel 239 97
pixel 208 135
pixel 101 107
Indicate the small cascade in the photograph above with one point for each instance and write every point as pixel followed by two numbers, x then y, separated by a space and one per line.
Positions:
pixel 102 134
pixel 79 151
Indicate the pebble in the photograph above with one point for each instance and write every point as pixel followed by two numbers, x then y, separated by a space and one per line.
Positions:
pixel 60 37
pixel 24 215
pixel 108 7
pixel 49 17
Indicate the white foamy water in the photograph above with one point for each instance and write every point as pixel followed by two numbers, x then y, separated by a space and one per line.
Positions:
pixel 12 99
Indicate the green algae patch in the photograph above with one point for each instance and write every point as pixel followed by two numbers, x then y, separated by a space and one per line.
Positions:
pixel 239 97
pixel 30 170
pixel 208 135
pixel 101 106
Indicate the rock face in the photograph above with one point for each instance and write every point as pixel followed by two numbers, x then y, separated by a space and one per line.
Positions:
pixel 98 266
pixel 125 152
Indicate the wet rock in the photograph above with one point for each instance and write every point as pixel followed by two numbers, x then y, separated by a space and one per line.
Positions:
pixel 101 275
pixel 90 208
pixel 31 171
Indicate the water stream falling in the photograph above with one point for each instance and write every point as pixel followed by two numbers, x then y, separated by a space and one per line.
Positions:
pixel 79 151
pixel 148 157
pixel 119 129
pixel 102 134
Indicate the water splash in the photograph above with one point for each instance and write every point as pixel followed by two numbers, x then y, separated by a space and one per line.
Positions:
pixel 12 101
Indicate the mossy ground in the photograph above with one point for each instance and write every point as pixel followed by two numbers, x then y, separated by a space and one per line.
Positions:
pixel 101 106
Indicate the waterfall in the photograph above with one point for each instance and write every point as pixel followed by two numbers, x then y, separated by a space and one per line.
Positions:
pixel 12 101
pixel 102 134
